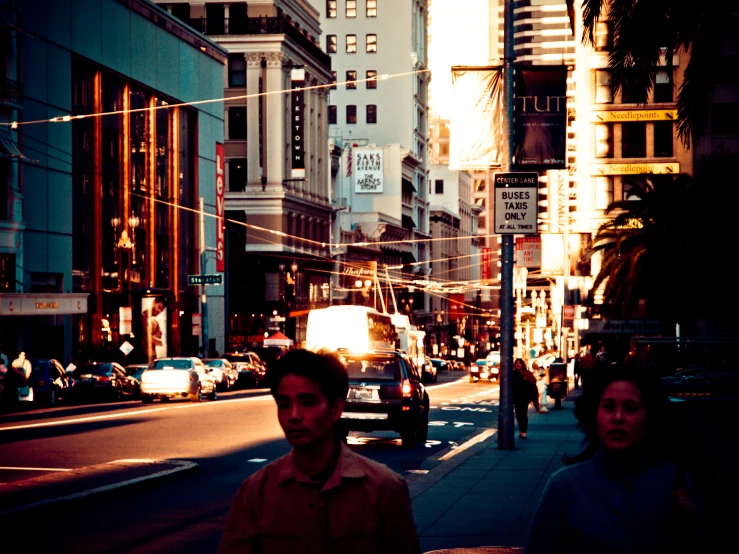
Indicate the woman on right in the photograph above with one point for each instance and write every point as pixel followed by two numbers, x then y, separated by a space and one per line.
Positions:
pixel 619 495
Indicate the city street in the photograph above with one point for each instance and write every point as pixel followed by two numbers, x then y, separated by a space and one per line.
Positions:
pixel 229 439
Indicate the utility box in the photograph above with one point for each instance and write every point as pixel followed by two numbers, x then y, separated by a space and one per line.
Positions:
pixel 557 385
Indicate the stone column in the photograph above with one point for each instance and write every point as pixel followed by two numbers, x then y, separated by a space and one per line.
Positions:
pixel 253 71
pixel 275 142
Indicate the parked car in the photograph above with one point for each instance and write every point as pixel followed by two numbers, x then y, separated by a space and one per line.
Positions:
pixel 168 378
pixel 224 373
pixel 248 375
pixel 386 393
pixel 104 380
pixel 135 371
pixel 429 372
pixel 482 369
pixel 260 366
pixel 269 354
pixel 49 381
pixel 440 365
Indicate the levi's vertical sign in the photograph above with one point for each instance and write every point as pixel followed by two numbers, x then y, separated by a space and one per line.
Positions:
pixel 298 123
pixel 220 210
pixel 516 210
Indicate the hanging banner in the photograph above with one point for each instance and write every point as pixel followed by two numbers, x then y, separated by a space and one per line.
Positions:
pixel 476 125
pixel 540 117
pixel 486 266
pixel 368 170
pixel 298 123
pixel 220 210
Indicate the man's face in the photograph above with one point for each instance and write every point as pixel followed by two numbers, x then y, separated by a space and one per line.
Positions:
pixel 157 307
pixel 305 415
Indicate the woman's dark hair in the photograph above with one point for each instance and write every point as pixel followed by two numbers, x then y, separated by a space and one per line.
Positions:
pixel 652 395
pixel 519 360
pixel 325 368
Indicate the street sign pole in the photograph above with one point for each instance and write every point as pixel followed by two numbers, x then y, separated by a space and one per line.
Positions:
pixel 505 412
pixel 203 296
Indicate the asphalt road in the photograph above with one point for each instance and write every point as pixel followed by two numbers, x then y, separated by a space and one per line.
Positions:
pixel 229 439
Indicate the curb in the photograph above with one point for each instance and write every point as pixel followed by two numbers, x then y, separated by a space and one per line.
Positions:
pixel 31 495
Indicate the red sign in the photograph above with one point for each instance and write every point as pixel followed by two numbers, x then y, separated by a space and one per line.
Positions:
pixel 486 266
pixel 456 306
pixel 220 211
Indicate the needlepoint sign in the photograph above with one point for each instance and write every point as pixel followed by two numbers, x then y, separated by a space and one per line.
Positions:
pixel 516 210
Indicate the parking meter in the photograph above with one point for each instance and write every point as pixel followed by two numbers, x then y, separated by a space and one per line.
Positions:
pixel 557 385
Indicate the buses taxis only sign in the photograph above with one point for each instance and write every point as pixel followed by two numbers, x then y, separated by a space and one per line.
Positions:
pixel 516 210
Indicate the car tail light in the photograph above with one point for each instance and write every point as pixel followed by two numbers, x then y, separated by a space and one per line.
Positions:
pixel 406 387
pixel 104 378
pixel 41 383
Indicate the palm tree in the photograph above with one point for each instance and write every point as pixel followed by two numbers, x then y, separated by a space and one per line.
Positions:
pixel 645 250
pixel 643 29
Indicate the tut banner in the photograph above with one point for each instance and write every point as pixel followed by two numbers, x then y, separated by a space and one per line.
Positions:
pixel 476 126
pixel 298 122
pixel 220 211
pixel 541 117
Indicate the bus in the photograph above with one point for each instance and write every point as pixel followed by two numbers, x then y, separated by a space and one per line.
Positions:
pixel 354 328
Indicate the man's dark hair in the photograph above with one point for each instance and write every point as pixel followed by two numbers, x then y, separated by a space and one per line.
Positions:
pixel 324 368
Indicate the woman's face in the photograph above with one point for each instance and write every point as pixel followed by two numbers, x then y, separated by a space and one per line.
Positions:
pixel 622 417
pixel 518 364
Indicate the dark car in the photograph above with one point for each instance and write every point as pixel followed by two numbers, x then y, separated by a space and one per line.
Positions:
pixel 269 354
pixel 248 375
pixel 386 393
pixel 260 366
pixel 104 380
pixel 135 371
pixel 429 373
pixel 50 382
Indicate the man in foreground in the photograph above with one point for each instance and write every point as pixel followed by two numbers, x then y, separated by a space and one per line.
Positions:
pixel 321 497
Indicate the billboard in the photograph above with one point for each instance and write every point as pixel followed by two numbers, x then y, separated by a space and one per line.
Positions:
pixel 541 117
pixel 368 168
pixel 154 326
pixel 297 123
pixel 220 210
pixel 476 124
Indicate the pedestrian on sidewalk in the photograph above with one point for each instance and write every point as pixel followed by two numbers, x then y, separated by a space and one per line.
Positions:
pixel 587 367
pixel 525 392
pixel 619 495
pixel 321 497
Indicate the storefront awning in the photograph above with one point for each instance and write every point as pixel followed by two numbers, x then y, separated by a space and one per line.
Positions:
pixel 43 304
pixel 408 222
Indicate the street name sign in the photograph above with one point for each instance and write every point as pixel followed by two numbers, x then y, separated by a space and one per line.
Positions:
pixel 215 279
pixel 516 205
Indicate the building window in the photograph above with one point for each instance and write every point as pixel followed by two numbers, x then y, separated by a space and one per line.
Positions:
pixel 663 86
pixel 237 71
pixel 331 44
pixel 604 141
pixel 351 113
pixel 333 80
pixel 603 36
pixel 371 78
pixel 725 119
pixel 7 272
pixel 237 174
pixel 351 8
pixel 371 8
pixel 331 9
pixel 351 79
pixel 628 183
pixel 371 113
pixel 351 44
pixel 630 93
pixel 439 186
pixel 371 43
pixel 602 90
pixel 237 123
pixel 4 189
pixel 663 142
pixel 603 192
pixel 332 115
pixel 634 140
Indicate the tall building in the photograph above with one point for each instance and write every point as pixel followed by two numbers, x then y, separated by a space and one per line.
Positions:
pixel 378 52
pixel 277 161
pixel 99 229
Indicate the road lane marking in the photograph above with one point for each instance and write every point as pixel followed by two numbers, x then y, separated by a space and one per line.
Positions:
pixel 464 446
pixel 449 384
pixel 35 468
pixel 125 414
pixel 257 460
pixel 417 471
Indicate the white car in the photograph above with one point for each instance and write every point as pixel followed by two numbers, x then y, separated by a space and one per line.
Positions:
pixel 168 378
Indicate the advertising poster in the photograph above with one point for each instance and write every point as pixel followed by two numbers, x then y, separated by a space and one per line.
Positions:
pixel 297 77
pixel 368 170
pixel 220 211
pixel 154 326
pixel 541 117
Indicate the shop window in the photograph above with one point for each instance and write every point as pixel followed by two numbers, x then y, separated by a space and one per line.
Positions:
pixel 371 78
pixel 634 140
pixel 351 113
pixel 332 115
pixel 371 43
pixel 237 123
pixel 7 272
pixel 237 174
pixel 371 113
pixel 663 141
pixel 602 90
pixel 237 71
pixel 351 79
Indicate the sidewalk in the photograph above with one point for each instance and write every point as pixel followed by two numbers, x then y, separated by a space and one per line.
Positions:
pixel 487 497
pixel 67 487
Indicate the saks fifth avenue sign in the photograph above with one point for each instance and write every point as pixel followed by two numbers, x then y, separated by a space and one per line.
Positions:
pixel 368 170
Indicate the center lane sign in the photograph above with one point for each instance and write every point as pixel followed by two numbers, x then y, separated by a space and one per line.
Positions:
pixel 516 209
